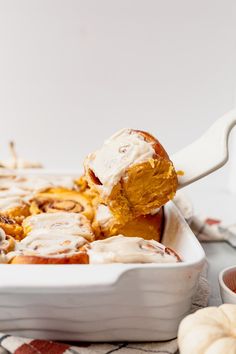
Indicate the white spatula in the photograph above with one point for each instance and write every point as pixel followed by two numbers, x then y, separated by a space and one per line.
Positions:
pixel 206 154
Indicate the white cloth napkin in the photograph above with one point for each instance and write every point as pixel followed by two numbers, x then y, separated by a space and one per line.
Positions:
pixel 205 228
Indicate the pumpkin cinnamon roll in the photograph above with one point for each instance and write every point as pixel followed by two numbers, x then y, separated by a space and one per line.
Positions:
pixel 121 249
pixel 67 223
pixel 53 238
pixel 49 247
pixel 132 174
pixel 61 199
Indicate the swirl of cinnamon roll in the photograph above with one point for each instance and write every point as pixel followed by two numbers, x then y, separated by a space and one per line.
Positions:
pixel 59 199
pixel 52 206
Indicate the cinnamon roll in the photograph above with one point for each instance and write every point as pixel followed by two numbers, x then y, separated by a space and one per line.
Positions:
pixel 132 174
pixel 121 249
pixel 66 223
pixel 61 199
pixel 49 247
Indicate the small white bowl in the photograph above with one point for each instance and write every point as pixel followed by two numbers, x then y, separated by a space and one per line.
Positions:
pixel 227 281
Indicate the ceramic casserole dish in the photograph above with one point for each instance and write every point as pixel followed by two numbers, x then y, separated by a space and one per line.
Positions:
pixel 113 302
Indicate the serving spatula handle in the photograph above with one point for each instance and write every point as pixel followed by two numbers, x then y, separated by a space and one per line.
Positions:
pixel 207 154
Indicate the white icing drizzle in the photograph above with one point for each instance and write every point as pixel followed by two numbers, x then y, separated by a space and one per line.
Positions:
pixel 121 249
pixel 121 151
pixel 69 223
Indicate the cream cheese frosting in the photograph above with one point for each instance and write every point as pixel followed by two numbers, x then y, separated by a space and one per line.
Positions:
pixel 69 223
pixel 121 249
pixel 47 243
pixel 121 151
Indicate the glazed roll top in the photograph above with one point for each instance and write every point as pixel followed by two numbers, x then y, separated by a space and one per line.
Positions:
pixel 66 223
pixel 49 244
pixel 120 249
pixel 54 238
pixel 132 174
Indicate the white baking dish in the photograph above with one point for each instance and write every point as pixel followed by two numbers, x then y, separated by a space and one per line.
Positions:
pixel 117 302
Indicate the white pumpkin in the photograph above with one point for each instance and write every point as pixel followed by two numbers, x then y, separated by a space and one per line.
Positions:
pixel 211 330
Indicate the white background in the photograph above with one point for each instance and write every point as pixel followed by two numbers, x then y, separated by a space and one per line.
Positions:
pixel 74 71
